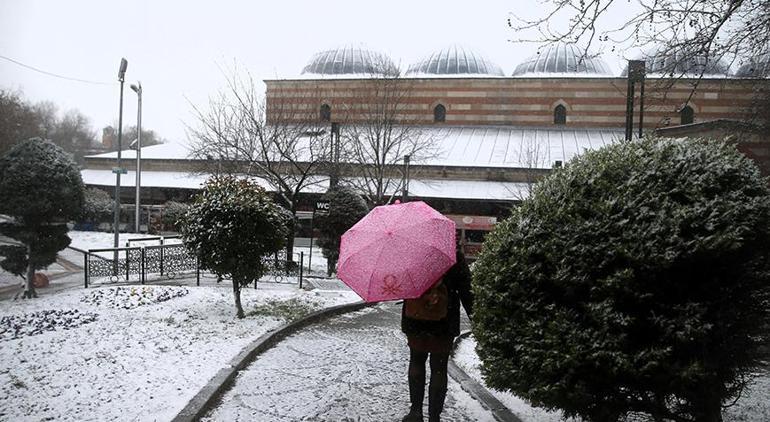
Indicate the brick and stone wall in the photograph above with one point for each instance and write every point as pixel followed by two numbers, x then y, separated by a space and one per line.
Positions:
pixel 590 102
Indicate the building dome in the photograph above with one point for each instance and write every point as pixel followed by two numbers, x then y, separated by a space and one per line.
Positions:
pixel 757 67
pixel 678 61
pixel 350 60
pixel 455 61
pixel 562 59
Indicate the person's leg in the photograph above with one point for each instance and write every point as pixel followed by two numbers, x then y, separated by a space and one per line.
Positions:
pixel 438 385
pixel 416 384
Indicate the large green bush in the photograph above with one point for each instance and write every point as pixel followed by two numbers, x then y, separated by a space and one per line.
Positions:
pixel 41 188
pixel 346 207
pixel 230 226
pixel 635 279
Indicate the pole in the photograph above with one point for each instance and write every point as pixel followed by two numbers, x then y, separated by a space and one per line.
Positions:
pixel 118 170
pixel 138 153
pixel 310 257
pixel 334 179
pixel 405 191
pixel 641 107
pixel 630 108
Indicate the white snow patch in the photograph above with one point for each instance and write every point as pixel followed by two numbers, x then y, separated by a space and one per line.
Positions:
pixel 466 358
pixel 143 363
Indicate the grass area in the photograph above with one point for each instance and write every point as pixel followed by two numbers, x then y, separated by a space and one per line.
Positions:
pixel 287 309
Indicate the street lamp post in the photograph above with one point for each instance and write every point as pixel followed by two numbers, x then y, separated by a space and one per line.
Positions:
pixel 119 170
pixel 138 89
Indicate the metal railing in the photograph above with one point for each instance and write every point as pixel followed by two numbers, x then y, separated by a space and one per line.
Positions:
pixel 144 263
pixel 139 263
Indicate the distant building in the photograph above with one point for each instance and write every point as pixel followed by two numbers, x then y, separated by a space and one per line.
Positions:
pixel 498 131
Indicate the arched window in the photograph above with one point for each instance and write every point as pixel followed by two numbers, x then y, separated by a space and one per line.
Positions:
pixel 326 113
pixel 687 115
pixel 560 115
pixel 439 113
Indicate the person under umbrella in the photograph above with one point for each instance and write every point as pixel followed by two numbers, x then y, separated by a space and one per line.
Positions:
pixel 431 323
pixel 409 251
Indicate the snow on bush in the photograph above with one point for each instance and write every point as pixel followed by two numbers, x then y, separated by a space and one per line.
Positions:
pixel 33 323
pixel 635 279
pixel 129 297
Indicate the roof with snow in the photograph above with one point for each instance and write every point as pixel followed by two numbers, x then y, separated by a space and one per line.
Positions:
pixel 455 61
pixel 483 147
pixel 562 60
pixel 349 61
pixel 424 188
pixel 466 146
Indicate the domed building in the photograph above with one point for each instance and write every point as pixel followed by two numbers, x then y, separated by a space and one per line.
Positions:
pixel 493 135
pixel 349 61
pixel 665 62
pixel 562 59
pixel 454 61
pixel 757 67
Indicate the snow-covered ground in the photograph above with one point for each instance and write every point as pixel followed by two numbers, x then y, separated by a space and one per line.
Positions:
pixel 131 352
pixel 754 405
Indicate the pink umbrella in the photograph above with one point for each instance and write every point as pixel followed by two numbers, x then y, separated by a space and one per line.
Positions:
pixel 397 251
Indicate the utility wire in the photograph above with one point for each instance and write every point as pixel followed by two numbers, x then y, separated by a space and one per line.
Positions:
pixel 53 74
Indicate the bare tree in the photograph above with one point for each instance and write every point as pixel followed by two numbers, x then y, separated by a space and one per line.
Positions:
pixel 233 135
pixel 687 38
pixel 377 137
pixel 21 120
pixel 533 157
pixel 713 29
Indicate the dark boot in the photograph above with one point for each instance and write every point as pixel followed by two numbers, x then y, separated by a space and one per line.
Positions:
pixel 416 386
pixel 413 416
pixel 436 403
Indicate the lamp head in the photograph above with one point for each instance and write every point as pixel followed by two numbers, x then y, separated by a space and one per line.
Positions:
pixel 137 88
pixel 122 71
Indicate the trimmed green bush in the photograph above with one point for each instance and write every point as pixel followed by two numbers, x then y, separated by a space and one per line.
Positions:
pixel 230 226
pixel 346 207
pixel 637 278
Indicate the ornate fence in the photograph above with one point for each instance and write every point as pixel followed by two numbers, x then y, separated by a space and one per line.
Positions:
pixel 164 261
pixel 139 263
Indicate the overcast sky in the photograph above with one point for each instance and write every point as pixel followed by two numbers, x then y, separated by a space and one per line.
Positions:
pixel 177 48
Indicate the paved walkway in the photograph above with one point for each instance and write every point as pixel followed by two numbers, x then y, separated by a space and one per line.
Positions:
pixel 349 368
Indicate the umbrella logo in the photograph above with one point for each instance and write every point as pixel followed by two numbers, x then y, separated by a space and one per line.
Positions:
pixel 390 286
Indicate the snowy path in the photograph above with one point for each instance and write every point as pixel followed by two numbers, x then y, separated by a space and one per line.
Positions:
pixel 349 368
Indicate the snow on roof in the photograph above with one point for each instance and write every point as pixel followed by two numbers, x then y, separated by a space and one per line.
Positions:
pixel 468 189
pixel 468 146
pixel 155 179
pixel 176 179
pixel 517 147
pixel 460 189
pixel 175 150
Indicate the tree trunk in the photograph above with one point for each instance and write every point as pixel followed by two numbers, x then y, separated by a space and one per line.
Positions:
pixel 711 412
pixel 29 291
pixel 290 239
pixel 237 295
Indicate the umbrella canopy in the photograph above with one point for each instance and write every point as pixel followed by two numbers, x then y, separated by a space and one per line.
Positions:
pixel 397 251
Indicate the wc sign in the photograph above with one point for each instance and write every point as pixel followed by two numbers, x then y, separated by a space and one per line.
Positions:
pixel 322 207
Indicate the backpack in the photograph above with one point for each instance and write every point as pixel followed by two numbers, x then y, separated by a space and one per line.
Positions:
pixel 431 306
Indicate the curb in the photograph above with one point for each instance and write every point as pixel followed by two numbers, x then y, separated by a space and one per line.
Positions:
pixel 208 396
pixel 477 391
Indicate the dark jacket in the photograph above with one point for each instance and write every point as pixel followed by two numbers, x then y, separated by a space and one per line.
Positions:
pixel 458 282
